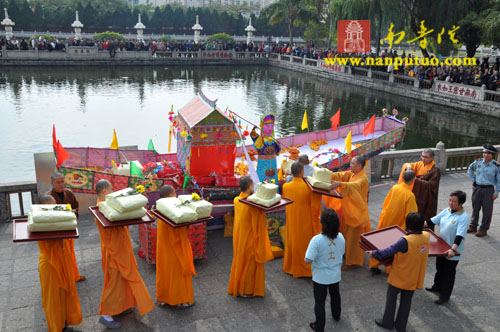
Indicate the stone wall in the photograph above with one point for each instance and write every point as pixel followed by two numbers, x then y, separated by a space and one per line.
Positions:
pixel 344 74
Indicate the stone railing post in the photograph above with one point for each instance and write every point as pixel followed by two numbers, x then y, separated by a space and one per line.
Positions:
pixel 482 95
pixel 349 70
pixel 369 73
pixel 441 156
pixel 391 77
pixel 279 56
pixel 415 82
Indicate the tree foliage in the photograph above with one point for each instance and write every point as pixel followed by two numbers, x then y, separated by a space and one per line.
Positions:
pixel 109 35
pixel 221 38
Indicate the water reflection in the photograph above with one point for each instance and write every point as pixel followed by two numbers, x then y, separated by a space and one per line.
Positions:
pixel 87 103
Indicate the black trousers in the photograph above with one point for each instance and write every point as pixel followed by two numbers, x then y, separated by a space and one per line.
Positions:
pixel 482 198
pixel 390 308
pixel 444 280
pixel 320 292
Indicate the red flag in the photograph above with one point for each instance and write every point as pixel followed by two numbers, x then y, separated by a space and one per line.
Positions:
pixel 370 126
pixel 61 154
pixel 335 120
pixel 54 140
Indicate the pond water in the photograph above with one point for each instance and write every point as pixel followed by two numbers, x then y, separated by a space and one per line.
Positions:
pixel 86 104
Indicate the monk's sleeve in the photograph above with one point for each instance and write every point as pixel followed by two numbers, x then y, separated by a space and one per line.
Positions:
pixel 430 184
pixel 341 176
pixel 315 212
pixel 349 188
pixel 403 169
pixel 120 253
pixel 180 246
pixel 411 205
pixel 262 247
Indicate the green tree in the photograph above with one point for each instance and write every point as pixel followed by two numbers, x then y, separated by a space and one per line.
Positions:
pixel 221 38
pixel 291 11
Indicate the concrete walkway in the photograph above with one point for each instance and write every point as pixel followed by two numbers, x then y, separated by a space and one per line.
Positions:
pixel 288 304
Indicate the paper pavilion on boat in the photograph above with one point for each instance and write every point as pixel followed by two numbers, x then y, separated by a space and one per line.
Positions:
pixel 206 138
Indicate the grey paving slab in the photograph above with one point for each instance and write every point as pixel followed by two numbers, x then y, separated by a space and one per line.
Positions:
pixel 288 304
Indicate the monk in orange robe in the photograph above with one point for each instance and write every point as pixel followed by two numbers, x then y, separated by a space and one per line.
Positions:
pixel 302 222
pixel 397 205
pixel 65 196
pixel 174 262
pixel 59 295
pixel 426 185
pixel 355 220
pixel 251 247
pixel 123 286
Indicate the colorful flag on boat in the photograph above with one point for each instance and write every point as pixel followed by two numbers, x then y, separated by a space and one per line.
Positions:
pixel 151 147
pixel 348 143
pixel 61 154
pixel 335 120
pixel 304 121
pixel 114 143
pixel 370 126
pixel 134 170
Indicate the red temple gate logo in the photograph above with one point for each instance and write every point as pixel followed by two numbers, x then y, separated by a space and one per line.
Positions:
pixel 353 36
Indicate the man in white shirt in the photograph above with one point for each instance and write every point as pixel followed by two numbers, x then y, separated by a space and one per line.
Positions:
pixel 308 169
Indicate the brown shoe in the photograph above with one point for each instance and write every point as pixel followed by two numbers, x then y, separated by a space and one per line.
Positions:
pixel 481 233
pixel 81 278
pixel 471 229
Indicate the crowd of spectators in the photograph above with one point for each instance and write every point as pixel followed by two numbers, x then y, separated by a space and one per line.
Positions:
pixel 483 73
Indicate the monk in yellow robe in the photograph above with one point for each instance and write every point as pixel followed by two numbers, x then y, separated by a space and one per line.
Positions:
pixel 66 196
pixel 400 202
pixel 59 295
pixel 302 222
pixel 123 287
pixel 174 262
pixel 355 220
pixel 426 185
pixel 251 247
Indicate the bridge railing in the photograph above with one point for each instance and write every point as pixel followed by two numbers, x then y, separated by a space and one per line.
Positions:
pixel 388 164
pixel 12 199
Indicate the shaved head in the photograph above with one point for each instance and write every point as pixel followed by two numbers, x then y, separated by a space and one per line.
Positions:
pixel 167 191
pixel 101 185
pixel 297 168
pixel 304 159
pixel 408 176
pixel 46 199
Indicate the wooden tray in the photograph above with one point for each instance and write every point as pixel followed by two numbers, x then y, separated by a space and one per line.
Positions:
pixel 385 237
pixel 171 223
pixel 437 246
pixel 284 201
pixel 106 223
pixel 325 192
pixel 20 233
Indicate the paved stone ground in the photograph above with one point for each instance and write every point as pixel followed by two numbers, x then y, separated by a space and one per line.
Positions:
pixel 288 304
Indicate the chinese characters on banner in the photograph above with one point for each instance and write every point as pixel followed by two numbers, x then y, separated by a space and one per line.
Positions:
pixel 458 90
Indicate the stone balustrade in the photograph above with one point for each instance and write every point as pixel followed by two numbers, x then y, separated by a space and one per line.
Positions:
pixel 388 164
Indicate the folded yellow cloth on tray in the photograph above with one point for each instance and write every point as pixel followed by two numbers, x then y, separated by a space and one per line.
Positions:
pixel 51 226
pixel 126 203
pixel 38 215
pixel 202 208
pixel 172 208
pixel 113 215
pixel 316 183
pixel 264 202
